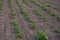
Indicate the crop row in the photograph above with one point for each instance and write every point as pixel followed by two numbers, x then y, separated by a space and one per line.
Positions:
pixel 24 13
pixel 35 10
pixel 45 8
pixel 1 4
pixel 39 35
pixel 14 23
pixel 39 14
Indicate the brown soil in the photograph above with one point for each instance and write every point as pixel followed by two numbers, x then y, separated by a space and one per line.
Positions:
pixel 7 31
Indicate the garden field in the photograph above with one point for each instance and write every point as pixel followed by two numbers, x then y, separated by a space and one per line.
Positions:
pixel 29 19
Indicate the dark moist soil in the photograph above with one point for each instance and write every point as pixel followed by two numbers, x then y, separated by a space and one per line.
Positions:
pixel 7 31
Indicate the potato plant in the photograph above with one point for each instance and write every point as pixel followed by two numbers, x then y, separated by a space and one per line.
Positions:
pixel 33 25
pixel 25 1
pixel 41 36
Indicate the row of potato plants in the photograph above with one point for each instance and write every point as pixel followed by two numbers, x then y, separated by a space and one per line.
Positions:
pixel 1 4
pixel 24 13
pixel 45 8
pixel 39 35
pixel 14 23
pixel 36 11
pixel 40 14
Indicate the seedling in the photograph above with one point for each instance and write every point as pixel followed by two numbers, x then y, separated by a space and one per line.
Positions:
pixel 19 35
pixel 57 31
pixel 41 36
pixel 13 15
pixel 33 25
pixel 16 27
pixel 44 7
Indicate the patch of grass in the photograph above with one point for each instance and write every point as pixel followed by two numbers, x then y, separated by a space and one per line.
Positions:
pixel 41 36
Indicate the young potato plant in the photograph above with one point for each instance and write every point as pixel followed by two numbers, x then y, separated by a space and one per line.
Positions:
pixel 25 1
pixel 16 27
pixel 24 13
pixel 33 25
pixel 44 7
pixel 41 36
pixel 39 14
pixel 57 31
